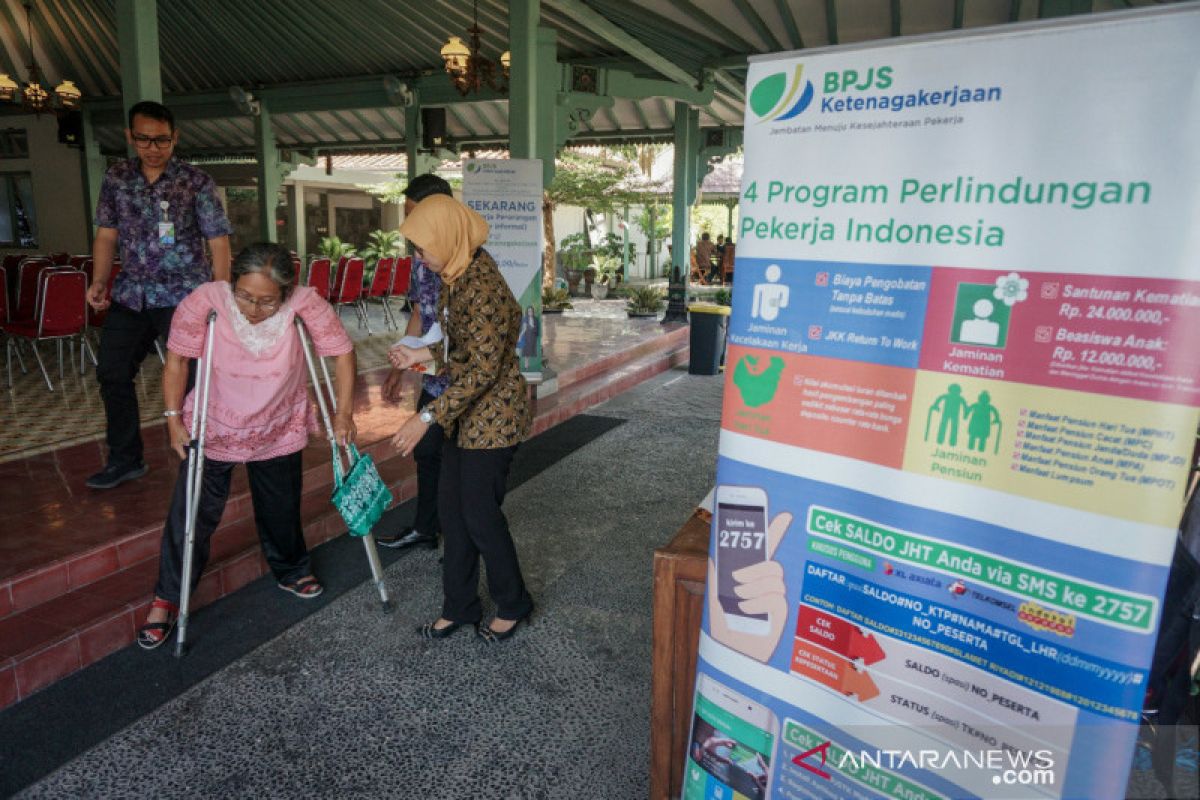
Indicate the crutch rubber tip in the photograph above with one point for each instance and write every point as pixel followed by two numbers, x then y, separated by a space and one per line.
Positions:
pixel 388 607
pixel 180 650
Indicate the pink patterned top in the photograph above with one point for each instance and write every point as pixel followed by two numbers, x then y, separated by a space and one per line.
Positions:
pixel 258 404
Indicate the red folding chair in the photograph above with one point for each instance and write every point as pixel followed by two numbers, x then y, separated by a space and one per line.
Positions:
pixel 61 315
pixel 78 262
pixel 349 290
pixel 6 317
pixel 60 259
pixel 28 279
pixel 401 280
pixel 381 284
pixel 318 276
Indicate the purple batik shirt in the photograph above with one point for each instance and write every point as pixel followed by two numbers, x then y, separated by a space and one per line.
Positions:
pixel 153 274
pixel 424 287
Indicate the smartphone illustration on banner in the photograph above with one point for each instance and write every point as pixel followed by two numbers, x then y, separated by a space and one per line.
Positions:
pixel 741 526
pixel 731 747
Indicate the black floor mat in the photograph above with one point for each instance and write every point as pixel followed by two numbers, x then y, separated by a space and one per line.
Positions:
pixel 53 726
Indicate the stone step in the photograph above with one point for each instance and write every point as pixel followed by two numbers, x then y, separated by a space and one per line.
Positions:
pixel 74 611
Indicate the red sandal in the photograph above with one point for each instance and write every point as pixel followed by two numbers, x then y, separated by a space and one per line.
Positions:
pixel 152 634
pixel 305 588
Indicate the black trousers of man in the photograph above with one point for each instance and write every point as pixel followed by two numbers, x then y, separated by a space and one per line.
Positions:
pixel 471 491
pixel 428 455
pixel 275 488
pixel 127 338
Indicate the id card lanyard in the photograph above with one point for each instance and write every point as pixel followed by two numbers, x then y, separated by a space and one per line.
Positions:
pixel 446 329
pixel 166 228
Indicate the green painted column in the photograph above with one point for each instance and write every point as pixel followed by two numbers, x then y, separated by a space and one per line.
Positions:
pixel 532 87
pixel 268 174
pixel 412 135
pixel 137 38
pixel 687 153
pixel 625 242
pixel 546 85
pixel 297 220
pixel 523 78
pixel 92 164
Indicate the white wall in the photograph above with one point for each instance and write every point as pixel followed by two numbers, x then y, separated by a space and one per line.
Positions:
pixel 58 194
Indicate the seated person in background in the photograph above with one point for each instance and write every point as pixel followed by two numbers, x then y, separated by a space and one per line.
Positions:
pixel 259 415
pixel 704 255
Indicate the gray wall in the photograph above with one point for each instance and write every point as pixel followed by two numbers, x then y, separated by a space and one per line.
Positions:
pixel 58 194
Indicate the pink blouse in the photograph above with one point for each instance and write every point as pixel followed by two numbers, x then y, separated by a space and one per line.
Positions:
pixel 258 402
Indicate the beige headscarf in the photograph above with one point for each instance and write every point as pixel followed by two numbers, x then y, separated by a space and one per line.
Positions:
pixel 448 231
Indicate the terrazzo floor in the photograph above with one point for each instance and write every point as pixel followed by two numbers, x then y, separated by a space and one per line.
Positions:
pixel 35 420
pixel 350 703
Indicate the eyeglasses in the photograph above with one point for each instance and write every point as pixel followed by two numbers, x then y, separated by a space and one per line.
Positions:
pixel 265 305
pixel 159 142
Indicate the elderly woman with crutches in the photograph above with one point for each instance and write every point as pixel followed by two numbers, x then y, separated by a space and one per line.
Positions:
pixel 257 412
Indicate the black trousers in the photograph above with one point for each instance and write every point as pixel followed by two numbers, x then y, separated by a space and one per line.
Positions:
pixel 428 455
pixel 275 490
pixel 473 483
pixel 128 337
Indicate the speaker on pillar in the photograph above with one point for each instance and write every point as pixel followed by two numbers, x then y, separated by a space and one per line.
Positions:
pixel 433 128
pixel 70 128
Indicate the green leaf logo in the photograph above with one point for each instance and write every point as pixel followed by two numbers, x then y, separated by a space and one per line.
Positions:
pixel 778 97
pixel 767 93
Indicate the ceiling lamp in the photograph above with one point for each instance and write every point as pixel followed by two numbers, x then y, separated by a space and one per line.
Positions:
pixel 468 68
pixel 33 96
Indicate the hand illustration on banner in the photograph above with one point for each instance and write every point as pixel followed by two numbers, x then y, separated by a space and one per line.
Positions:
pixel 762 589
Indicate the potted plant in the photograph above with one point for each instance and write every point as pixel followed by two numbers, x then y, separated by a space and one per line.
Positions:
pixel 333 248
pixel 643 301
pixel 380 244
pixel 555 300
pixel 574 252
pixel 604 269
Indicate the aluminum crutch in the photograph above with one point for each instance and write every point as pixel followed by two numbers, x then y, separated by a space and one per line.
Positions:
pixel 195 477
pixel 319 390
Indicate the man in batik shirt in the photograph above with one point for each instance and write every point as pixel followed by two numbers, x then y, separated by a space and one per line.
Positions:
pixel 160 212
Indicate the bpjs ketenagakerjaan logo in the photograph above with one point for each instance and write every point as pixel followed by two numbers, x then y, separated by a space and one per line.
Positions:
pixel 785 95
pixel 780 97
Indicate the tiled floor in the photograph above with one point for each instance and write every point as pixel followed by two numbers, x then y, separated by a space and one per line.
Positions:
pixel 34 419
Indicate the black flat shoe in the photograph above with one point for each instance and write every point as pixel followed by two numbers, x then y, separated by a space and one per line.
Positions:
pixel 408 537
pixel 112 476
pixel 492 637
pixel 428 630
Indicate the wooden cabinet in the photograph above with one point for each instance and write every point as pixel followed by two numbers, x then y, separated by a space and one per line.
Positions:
pixel 680 572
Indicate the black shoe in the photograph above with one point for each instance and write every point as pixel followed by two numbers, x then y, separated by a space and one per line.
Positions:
pixel 491 637
pixel 408 537
pixel 115 475
pixel 430 632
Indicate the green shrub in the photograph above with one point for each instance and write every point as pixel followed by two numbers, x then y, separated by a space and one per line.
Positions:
pixel 556 298
pixel 644 299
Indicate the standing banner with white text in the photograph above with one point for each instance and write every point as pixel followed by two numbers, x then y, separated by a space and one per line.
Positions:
pixel 508 193
pixel 960 408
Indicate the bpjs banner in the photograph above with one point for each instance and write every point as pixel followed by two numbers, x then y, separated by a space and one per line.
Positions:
pixel 960 409
pixel 508 193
